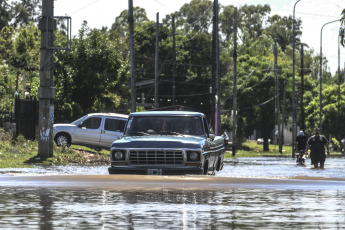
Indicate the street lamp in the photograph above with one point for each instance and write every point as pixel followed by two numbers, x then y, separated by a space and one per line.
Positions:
pixel 321 69
pixel 293 81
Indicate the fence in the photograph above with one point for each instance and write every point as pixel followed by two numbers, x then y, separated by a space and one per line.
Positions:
pixel 7 120
pixel 26 117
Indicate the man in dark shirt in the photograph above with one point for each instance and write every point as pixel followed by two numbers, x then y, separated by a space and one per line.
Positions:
pixel 317 145
pixel 300 144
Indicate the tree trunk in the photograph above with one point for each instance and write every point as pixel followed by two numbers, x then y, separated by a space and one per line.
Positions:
pixel 239 133
pixel 266 137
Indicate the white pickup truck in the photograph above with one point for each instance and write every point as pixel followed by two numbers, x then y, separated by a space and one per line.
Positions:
pixel 97 130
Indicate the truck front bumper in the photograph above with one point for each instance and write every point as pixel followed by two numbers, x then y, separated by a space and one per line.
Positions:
pixel 155 170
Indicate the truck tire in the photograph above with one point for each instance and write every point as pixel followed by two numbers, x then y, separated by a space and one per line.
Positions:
pixel 206 168
pixel 219 164
pixel 63 140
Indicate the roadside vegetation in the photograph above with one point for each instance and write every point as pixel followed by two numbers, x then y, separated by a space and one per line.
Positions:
pixel 22 153
pixel 98 63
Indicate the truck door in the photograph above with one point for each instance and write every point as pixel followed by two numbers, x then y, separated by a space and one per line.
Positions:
pixel 113 130
pixel 89 131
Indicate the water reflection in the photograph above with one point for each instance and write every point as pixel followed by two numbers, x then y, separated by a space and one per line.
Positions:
pixel 171 209
pixel 318 206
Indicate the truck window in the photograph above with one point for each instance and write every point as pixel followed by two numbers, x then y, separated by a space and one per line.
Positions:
pixel 114 125
pixel 206 127
pixel 92 123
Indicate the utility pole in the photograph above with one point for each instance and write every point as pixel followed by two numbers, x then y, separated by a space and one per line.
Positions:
pixel 234 114
pixel 218 72
pixel 174 62
pixel 46 91
pixel 277 92
pixel 131 55
pixel 156 61
pixel 283 120
pixel 215 97
pixel 339 73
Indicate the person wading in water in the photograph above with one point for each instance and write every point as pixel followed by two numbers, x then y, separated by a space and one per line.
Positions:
pixel 300 145
pixel 317 144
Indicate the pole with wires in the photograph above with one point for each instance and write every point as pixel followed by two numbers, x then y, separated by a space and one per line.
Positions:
pixel 131 55
pixel 234 114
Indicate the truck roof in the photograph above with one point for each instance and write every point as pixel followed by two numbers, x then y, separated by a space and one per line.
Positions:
pixel 109 114
pixel 167 113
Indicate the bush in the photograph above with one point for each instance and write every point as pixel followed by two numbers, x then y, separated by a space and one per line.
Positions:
pixel 335 144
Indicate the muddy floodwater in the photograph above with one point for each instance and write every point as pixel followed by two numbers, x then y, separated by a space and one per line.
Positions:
pixel 249 193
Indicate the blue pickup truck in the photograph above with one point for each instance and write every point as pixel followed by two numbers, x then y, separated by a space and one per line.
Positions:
pixel 167 143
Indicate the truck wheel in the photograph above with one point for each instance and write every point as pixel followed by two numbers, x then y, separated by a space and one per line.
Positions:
pixel 219 164
pixel 63 139
pixel 206 168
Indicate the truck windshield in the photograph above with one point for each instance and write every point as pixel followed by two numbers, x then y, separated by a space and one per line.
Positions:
pixel 77 121
pixel 164 125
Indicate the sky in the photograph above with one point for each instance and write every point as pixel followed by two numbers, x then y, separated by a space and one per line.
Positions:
pixel 313 13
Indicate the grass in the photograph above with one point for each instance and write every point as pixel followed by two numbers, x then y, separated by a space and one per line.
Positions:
pixel 21 153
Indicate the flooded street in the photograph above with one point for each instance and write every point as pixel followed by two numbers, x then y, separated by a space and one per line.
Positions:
pixel 260 193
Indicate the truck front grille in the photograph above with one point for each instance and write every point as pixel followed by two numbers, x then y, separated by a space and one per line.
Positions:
pixel 155 157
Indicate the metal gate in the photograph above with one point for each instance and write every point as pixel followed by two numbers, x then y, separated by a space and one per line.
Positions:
pixel 26 117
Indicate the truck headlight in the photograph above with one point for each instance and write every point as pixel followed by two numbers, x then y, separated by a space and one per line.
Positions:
pixel 193 156
pixel 118 155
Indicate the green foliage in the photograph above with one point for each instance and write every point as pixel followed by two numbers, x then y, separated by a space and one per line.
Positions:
pixel 5 12
pixel 226 122
pixel 93 76
pixel 20 50
pixel 25 12
pixel 280 28
pixel 21 153
pixel 253 149
pixel 335 144
pixel 252 20
pixel 195 16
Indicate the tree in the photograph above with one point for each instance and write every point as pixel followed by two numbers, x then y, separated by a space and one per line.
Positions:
pixel 332 124
pixel 91 77
pixel 7 36
pixel 7 83
pixel 256 95
pixel 251 20
pixel 27 46
pixel 5 15
pixel 226 20
pixel 25 11
pixel 20 49
pixel 280 28
pixel 120 27
pixel 194 16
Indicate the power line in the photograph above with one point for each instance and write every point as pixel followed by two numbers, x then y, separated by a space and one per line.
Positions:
pixel 84 7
